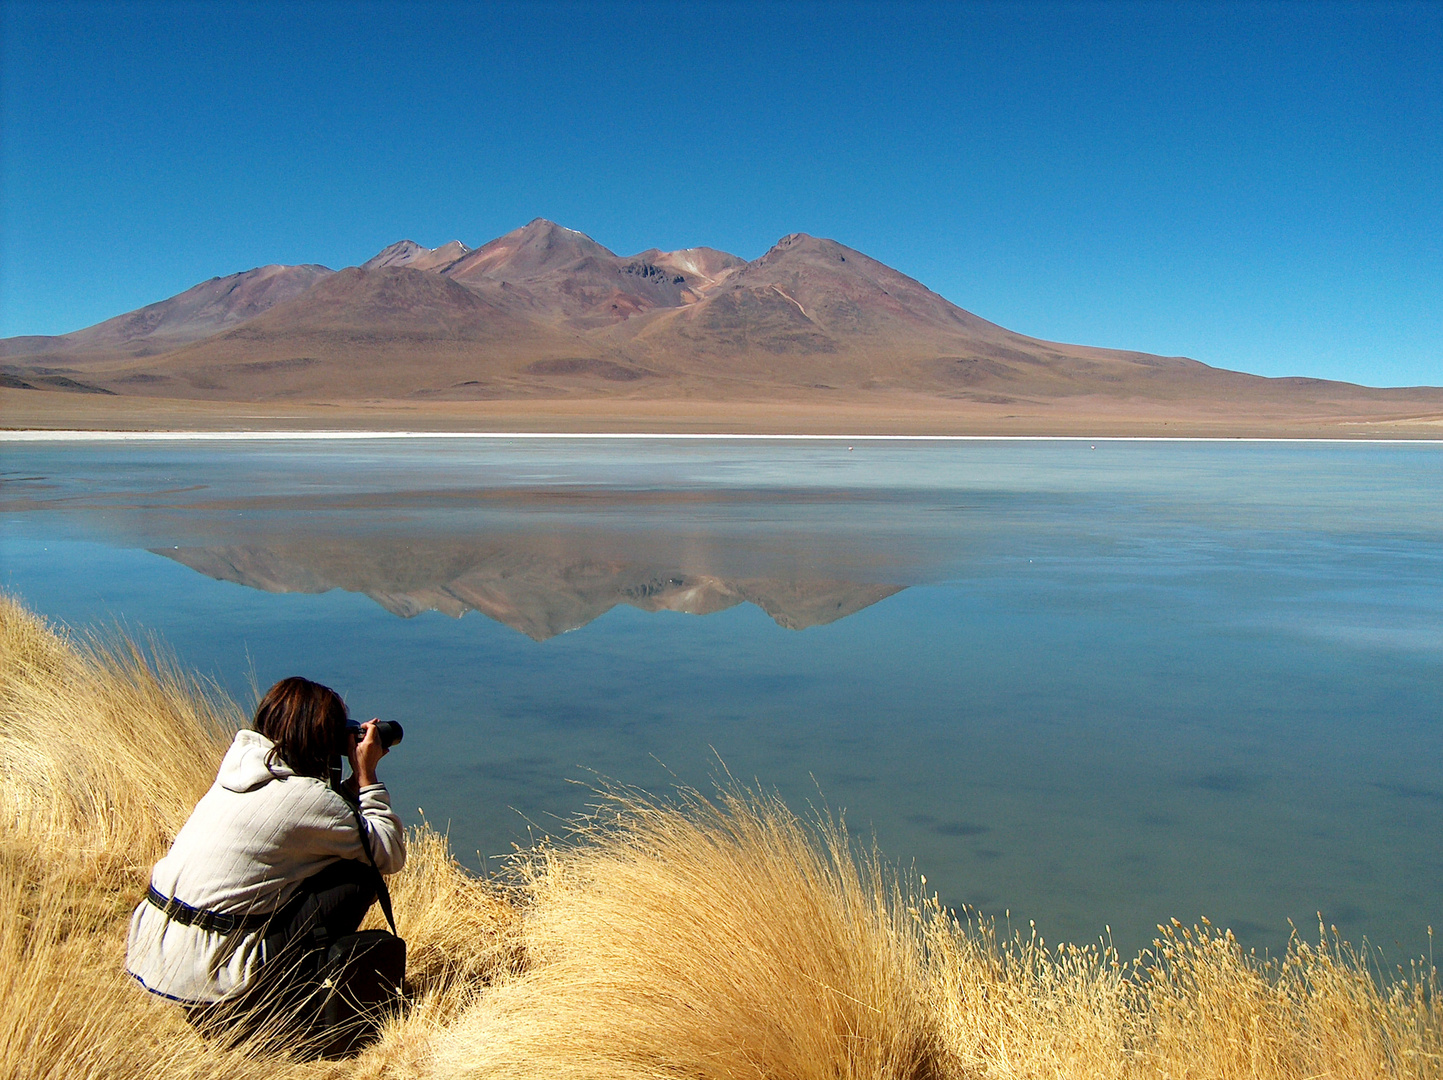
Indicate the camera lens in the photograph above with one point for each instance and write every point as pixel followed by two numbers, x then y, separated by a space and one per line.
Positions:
pixel 387 731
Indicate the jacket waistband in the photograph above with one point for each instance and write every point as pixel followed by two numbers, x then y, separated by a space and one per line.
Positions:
pixel 218 921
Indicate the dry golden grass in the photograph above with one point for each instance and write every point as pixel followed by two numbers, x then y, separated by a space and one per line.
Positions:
pixel 709 939
pixel 705 938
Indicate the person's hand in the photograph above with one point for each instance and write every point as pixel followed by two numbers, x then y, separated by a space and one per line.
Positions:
pixel 364 753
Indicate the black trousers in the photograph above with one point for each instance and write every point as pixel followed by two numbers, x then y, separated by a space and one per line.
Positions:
pixel 326 906
pixel 281 1002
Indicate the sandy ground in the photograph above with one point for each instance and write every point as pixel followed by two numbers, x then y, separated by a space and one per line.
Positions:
pixel 895 414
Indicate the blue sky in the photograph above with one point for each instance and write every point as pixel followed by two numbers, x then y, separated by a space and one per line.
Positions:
pixel 1258 186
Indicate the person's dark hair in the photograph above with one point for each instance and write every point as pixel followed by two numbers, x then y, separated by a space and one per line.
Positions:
pixel 307 723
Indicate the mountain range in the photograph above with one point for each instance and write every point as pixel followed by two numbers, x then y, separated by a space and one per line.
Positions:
pixel 547 313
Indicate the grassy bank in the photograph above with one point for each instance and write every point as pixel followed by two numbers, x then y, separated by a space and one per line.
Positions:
pixel 687 938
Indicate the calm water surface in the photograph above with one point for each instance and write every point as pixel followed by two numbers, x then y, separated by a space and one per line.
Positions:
pixel 1090 683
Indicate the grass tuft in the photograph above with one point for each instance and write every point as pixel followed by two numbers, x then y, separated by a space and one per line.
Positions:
pixel 706 939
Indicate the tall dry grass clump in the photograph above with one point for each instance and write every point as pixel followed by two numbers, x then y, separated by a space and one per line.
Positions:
pixel 1213 1010
pixel 698 938
pixel 1008 1006
pixel 1195 1005
pixel 708 939
pixel 102 748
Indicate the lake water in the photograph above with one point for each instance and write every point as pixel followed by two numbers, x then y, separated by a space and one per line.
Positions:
pixel 1090 683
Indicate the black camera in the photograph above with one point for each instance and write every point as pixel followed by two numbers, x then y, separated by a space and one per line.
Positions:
pixel 388 731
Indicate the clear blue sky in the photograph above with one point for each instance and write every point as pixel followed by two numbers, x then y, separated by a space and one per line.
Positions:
pixel 1258 186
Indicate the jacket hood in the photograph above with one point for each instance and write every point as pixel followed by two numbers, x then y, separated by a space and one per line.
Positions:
pixel 244 766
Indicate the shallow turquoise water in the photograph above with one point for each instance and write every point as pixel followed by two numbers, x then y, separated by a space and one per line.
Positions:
pixel 1092 686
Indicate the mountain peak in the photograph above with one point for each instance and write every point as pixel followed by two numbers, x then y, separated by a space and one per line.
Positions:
pixel 850 294
pixel 541 232
pixel 409 253
pixel 537 249
pixel 540 235
pixel 398 254
pixel 805 244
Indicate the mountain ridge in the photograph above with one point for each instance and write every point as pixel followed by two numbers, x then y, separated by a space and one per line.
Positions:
pixel 547 313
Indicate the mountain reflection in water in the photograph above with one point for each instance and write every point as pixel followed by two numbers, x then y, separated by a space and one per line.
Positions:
pixel 539 592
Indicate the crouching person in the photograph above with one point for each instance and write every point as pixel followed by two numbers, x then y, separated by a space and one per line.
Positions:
pixel 276 863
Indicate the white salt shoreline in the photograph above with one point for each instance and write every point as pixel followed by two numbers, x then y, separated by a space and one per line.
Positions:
pixel 30 435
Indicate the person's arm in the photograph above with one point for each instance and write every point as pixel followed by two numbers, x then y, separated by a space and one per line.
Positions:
pixel 326 826
pixel 383 827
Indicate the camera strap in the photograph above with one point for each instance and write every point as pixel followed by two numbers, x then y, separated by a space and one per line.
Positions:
pixel 383 893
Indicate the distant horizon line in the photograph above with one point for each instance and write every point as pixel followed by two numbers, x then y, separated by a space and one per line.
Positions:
pixel 341 435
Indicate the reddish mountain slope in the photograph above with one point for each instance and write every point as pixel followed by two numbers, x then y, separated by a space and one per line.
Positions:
pixel 199 312
pixel 363 333
pixel 812 313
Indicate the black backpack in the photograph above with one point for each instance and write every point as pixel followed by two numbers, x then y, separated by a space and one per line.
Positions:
pixel 362 977
pixel 362 983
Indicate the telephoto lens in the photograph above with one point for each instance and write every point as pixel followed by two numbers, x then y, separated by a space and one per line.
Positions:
pixel 388 731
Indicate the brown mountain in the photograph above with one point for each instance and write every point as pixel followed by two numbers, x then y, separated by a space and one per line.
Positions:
pixel 546 314
pixel 374 332
pixel 814 313
pixel 208 308
pixel 518 584
pixel 824 306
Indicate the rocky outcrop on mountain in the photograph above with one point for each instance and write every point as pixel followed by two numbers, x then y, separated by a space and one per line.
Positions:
pixel 702 268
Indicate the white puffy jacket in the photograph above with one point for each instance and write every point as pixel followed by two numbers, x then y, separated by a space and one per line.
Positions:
pixel 254 836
